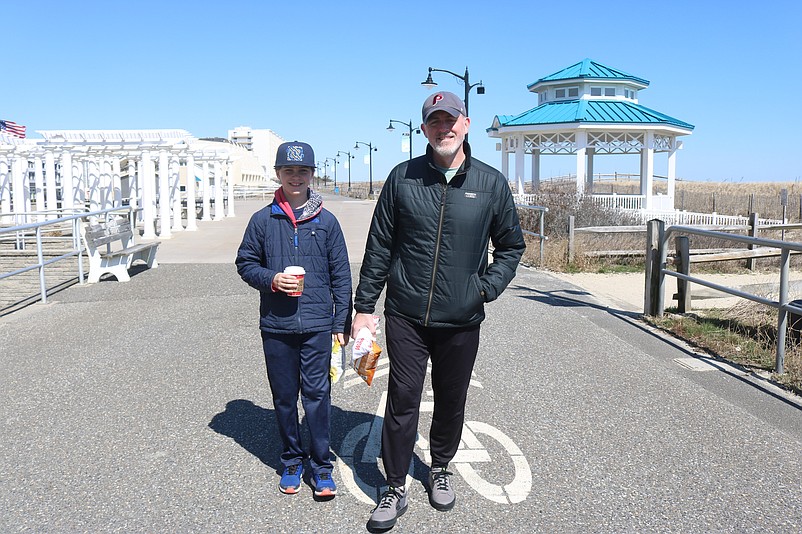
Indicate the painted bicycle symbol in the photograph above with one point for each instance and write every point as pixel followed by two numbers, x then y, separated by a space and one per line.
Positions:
pixel 361 449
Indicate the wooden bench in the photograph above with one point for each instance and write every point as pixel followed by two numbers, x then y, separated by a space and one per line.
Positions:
pixel 101 238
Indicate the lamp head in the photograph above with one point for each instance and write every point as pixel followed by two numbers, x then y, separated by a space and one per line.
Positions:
pixel 480 90
pixel 429 83
pixel 390 128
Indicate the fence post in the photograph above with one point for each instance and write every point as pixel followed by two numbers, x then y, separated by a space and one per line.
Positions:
pixel 750 262
pixel 683 264
pixel 782 314
pixel 570 239
pixel 652 295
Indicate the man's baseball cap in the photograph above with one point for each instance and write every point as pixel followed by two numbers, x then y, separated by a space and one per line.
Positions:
pixel 444 101
pixel 295 153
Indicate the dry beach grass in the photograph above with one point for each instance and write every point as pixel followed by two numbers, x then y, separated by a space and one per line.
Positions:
pixel 739 331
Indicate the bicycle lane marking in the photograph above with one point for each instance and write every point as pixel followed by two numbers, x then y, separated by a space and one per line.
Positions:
pixel 470 451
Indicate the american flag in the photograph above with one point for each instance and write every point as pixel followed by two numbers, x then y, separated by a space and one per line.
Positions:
pixel 13 128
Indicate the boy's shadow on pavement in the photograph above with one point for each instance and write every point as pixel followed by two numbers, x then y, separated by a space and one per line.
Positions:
pixel 255 429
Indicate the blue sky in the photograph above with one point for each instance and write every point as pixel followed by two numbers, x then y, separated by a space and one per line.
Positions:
pixel 333 73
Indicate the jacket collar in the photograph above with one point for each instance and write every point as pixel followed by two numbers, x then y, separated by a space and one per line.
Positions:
pixel 312 208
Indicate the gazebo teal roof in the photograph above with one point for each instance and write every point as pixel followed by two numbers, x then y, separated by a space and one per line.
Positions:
pixel 590 112
pixel 587 69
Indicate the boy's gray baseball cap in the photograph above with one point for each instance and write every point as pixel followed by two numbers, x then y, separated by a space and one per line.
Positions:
pixel 444 101
pixel 295 153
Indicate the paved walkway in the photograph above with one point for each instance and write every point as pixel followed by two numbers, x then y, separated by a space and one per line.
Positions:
pixel 143 407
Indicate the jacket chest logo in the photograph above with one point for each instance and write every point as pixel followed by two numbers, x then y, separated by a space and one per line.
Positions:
pixel 470 195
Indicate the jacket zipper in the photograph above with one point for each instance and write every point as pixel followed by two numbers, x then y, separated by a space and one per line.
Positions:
pixel 436 254
pixel 295 244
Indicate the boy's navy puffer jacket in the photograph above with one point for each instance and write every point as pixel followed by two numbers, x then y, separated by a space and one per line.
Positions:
pixel 271 243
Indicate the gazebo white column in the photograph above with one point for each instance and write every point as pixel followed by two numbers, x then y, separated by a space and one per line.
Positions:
pixel 535 170
pixel 519 159
pixel 164 196
pixel 647 170
pixel 505 157
pixel 175 194
pixel 51 197
pixel 218 190
pixel 147 179
pixel 67 182
pixel 207 197
pixel 230 183
pixel 39 186
pixel 671 173
pixel 589 180
pixel 191 207
pixel 581 160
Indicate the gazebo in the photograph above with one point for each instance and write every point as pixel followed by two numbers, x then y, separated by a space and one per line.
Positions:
pixel 590 109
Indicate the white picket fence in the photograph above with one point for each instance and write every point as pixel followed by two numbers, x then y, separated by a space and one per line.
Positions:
pixel 633 204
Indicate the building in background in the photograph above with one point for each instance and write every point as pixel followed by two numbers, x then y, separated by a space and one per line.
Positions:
pixel 261 142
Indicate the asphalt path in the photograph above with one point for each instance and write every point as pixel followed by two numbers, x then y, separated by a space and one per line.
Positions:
pixel 144 407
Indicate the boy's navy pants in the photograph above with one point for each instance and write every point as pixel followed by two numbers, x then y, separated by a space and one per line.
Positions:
pixel 300 363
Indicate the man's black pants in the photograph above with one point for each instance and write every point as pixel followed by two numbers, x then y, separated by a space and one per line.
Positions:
pixel 409 347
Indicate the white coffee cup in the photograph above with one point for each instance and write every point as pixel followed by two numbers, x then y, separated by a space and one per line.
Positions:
pixel 299 273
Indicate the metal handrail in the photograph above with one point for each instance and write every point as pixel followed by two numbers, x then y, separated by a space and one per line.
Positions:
pixel 542 235
pixel 660 270
pixel 77 243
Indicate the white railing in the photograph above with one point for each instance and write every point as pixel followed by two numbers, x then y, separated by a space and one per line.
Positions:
pixel 24 233
pixel 619 202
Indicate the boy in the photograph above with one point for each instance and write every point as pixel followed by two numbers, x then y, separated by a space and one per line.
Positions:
pixel 297 331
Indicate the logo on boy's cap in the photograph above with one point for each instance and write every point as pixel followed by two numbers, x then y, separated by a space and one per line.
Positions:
pixel 444 101
pixel 295 153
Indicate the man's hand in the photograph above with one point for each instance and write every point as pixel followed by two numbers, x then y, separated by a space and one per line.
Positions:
pixel 362 320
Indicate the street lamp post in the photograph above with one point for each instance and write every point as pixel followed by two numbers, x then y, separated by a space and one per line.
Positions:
pixel 325 170
pixel 408 125
pixel 370 162
pixel 335 169
pixel 466 80
pixel 350 157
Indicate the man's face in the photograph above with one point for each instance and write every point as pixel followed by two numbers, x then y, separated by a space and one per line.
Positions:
pixel 445 132
pixel 295 179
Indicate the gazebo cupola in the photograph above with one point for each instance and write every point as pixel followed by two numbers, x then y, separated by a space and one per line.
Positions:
pixel 585 110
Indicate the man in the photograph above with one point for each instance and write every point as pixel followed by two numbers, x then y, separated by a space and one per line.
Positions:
pixel 299 321
pixel 429 240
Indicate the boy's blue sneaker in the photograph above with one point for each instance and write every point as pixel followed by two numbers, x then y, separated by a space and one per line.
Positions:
pixel 291 479
pixel 324 485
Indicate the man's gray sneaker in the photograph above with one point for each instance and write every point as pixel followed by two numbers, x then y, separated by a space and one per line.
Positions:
pixel 441 494
pixel 392 505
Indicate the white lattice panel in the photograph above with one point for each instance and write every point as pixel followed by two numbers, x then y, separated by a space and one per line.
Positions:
pixel 615 142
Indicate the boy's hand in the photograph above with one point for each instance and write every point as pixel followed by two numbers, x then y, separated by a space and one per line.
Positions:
pixel 342 339
pixel 362 320
pixel 286 283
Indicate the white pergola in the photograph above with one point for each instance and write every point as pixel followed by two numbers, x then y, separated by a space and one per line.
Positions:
pixel 75 169
pixel 586 110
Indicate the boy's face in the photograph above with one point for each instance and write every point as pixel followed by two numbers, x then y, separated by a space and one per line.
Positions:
pixel 295 180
